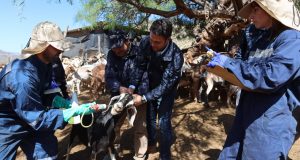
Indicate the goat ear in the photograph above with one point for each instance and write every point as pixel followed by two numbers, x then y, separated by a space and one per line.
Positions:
pixel 113 100
pixel 131 114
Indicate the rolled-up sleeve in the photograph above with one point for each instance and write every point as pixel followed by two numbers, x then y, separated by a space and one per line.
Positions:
pixel 268 74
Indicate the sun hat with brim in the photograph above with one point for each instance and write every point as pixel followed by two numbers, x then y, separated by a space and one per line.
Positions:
pixel 45 34
pixel 116 41
pixel 284 11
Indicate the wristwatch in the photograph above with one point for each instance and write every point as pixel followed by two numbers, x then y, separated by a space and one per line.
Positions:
pixel 144 100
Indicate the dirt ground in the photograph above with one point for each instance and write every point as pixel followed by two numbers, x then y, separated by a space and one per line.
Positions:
pixel 200 133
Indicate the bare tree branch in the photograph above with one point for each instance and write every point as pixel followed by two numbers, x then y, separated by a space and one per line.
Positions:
pixel 143 20
pixel 181 8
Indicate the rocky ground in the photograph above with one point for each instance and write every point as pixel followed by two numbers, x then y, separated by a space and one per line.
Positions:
pixel 200 133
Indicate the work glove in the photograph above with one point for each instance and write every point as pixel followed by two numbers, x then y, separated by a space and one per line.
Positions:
pixel 217 59
pixel 60 102
pixel 85 109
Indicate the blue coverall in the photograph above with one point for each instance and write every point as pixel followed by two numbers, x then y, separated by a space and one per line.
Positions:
pixel 164 71
pixel 58 85
pixel 59 76
pixel 264 127
pixel 24 119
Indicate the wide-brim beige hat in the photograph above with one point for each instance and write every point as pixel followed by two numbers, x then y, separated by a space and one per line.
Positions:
pixel 284 11
pixel 45 34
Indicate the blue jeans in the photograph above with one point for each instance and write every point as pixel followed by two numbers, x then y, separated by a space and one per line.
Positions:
pixel 163 109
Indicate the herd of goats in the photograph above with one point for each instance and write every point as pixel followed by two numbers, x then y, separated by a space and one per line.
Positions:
pixel 196 83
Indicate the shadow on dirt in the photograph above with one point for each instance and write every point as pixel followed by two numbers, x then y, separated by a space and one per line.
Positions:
pixel 296 114
pixel 197 129
pixel 226 120
pixel 212 154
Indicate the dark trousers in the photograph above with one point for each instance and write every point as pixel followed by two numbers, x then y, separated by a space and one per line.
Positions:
pixel 161 108
pixel 35 145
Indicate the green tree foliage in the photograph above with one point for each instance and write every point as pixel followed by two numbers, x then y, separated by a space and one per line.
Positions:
pixel 115 13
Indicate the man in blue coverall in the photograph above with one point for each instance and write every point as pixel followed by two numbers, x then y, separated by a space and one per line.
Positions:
pixel 119 73
pixel 162 60
pixel 269 68
pixel 25 121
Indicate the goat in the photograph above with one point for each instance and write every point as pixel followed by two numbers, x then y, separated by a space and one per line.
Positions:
pixel 233 91
pixel 101 135
pixel 102 132
pixel 77 129
pixel 82 75
pixel 190 75
pixel 209 81
pixel 98 81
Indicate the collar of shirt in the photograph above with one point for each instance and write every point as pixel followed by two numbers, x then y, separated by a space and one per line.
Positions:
pixel 167 53
pixel 164 50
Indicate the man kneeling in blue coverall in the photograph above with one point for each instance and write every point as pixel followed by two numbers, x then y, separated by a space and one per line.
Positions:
pixel 25 120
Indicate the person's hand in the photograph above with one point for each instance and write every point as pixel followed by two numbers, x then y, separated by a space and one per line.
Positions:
pixel 98 107
pixel 125 90
pixel 122 90
pixel 217 60
pixel 60 102
pixel 210 53
pixel 86 109
pixel 89 108
pixel 138 100
pixel 129 90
